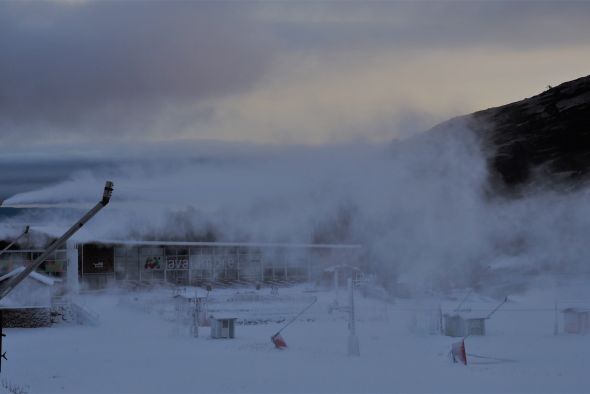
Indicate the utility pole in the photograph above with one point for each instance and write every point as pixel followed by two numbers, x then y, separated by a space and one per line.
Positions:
pixel 353 341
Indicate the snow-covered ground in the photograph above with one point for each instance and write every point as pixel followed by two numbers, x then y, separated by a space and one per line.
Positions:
pixel 140 346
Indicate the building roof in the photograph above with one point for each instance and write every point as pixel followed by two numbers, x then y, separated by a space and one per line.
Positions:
pixel 223 317
pixel 468 315
pixel 245 244
pixel 575 310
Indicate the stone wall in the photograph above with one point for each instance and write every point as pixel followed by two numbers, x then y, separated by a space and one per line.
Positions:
pixel 26 317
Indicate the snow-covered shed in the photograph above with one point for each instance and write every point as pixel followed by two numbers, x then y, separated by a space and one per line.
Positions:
pixel 576 320
pixel 223 327
pixel 36 290
pixel 462 325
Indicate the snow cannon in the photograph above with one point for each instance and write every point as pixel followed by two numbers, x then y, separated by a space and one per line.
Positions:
pixel 458 353
pixel 10 284
pixel 107 193
pixel 278 341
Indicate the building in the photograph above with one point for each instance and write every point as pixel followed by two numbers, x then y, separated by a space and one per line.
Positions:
pixel 187 263
pixel 223 327
pixel 457 325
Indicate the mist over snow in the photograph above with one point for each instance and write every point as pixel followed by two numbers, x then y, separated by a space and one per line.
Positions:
pixel 422 206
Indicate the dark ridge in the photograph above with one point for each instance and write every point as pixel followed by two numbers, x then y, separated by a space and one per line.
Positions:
pixel 546 135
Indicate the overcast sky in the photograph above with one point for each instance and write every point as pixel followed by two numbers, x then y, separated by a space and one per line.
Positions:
pixel 273 72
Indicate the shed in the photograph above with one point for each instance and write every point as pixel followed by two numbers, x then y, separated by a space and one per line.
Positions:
pixel 223 327
pixel 36 290
pixel 457 325
pixel 29 303
pixel 576 320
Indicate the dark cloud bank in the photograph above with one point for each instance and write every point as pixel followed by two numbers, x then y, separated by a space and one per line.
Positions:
pixel 135 70
pixel 109 68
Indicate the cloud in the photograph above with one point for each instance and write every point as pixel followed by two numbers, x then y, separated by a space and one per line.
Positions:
pixel 429 24
pixel 421 206
pixel 38 165
pixel 339 96
pixel 273 72
pixel 112 67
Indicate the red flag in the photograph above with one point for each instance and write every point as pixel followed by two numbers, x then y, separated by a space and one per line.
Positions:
pixel 458 352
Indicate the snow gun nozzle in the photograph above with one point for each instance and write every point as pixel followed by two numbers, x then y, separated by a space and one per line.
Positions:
pixel 108 192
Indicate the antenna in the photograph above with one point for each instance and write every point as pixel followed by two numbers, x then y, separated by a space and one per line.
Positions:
pixel 353 340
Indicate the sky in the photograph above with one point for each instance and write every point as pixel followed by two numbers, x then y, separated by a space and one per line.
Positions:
pixel 274 121
pixel 84 72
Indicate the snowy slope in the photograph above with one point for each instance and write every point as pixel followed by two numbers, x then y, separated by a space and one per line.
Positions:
pixel 136 350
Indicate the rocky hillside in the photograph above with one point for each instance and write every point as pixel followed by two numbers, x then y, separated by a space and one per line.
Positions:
pixel 547 135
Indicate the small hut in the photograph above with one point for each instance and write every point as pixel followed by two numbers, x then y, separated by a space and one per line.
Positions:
pixel 36 290
pixel 223 327
pixel 576 320
pixel 465 322
pixel 462 325
pixel 29 303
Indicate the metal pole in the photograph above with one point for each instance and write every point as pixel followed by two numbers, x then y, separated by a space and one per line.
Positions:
pixel 315 299
pixel 139 255
pixel 555 323
pixel 353 341
pixel 73 278
pixel 238 265
pixel 12 283
pixel 2 335
pixel 190 276
pixel 496 308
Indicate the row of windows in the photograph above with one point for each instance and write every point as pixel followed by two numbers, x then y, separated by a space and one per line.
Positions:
pixel 199 250
pixel 203 262
pixel 199 276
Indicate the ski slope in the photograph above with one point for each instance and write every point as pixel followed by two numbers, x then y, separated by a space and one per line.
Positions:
pixel 142 346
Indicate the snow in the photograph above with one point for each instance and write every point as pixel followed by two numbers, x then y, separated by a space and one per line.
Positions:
pixel 142 345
